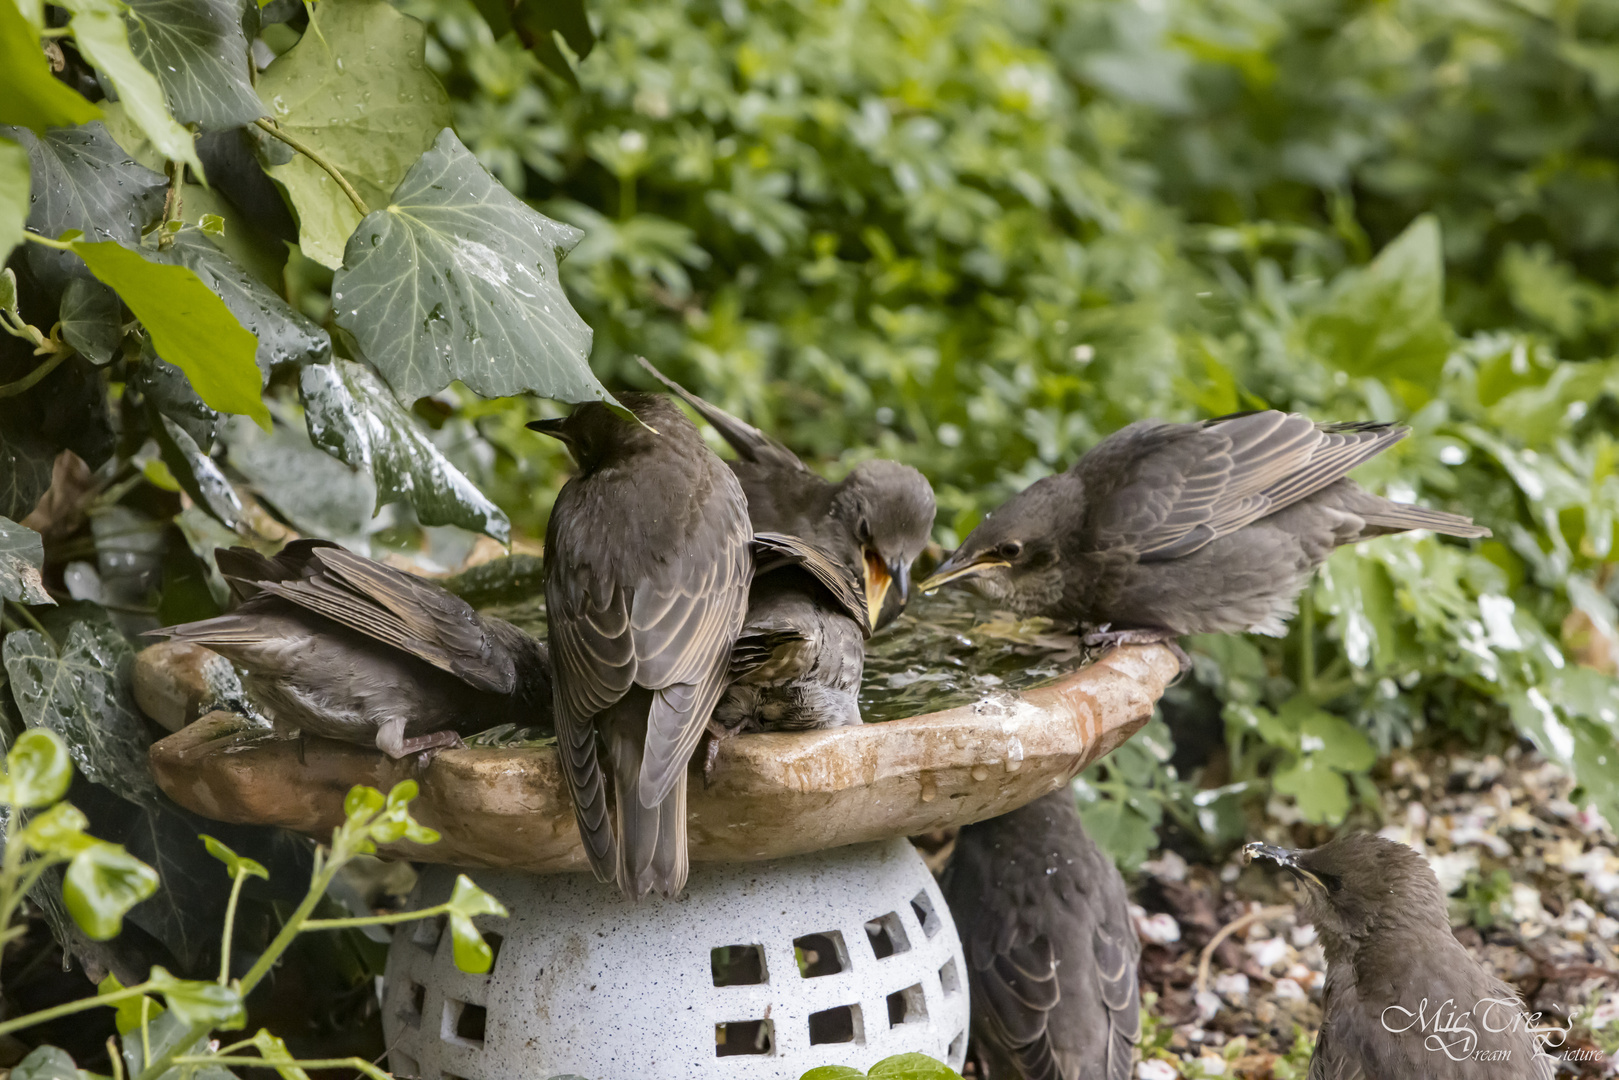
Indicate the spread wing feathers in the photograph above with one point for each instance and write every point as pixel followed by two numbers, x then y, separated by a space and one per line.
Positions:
pixel 1226 473
pixel 401 610
pixel 758 646
pixel 772 550
pixel 243 568
pixel 1019 989
pixel 1121 994
pixel 749 442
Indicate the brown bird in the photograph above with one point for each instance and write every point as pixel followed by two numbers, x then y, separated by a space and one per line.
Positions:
pixel 647 564
pixel 1404 1000
pixel 1051 950
pixel 876 520
pixel 335 644
pixel 1170 529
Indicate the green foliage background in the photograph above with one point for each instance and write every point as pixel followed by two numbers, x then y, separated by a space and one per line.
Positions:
pixel 976 235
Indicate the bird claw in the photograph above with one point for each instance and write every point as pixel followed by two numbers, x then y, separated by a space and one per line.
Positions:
pixel 711 755
pixel 1104 638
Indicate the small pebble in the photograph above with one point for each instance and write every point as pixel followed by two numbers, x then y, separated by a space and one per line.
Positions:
pixel 1268 953
pixel 1208 1005
pixel 1167 867
pixel 1159 929
pixel 1233 986
pixel 1288 990
pixel 1212 1064
pixel 1303 936
pixel 1157 1069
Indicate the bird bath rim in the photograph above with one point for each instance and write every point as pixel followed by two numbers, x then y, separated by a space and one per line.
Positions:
pixel 772 795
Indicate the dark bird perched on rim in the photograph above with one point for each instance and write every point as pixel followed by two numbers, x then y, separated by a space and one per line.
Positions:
pixel 335 644
pixel 1392 962
pixel 647 564
pixel 798 660
pixel 1051 950
pixel 876 520
pixel 1170 529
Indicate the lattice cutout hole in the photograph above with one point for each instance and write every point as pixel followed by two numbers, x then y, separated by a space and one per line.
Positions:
pixel 415 1004
pixel 739 1037
pixel 737 965
pixel 907 1006
pixel 950 978
pixel 821 954
pixel 887 936
pixel 464 1023
pixel 840 1024
pixel 922 904
pixel 958 1046
pixel 404 1068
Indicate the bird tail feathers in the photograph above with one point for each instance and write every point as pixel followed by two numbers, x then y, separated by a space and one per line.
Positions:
pixel 651 855
pixel 1387 517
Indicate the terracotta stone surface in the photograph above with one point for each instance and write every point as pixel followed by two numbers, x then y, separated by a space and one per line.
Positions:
pixel 772 794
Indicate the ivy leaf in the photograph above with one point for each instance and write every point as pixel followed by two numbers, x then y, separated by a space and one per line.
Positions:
pixel 336 422
pixel 197 1002
pixel 317 494
pixel 25 470
pixel 912 1067
pixel 1387 320
pixel 199 54
pixel 285 335
pixel 195 471
pixel 372 115
pixel 191 327
pixel 47 1062
pixel 101 884
pixel 102 36
pixel 1322 794
pixel 22 554
pixel 833 1072
pixel 407 466
pixel 29 95
pixel 235 865
pixel 81 179
pixel 13 194
pixel 166 387
pixel 535 21
pixel 92 320
pixel 457 279
pixel 82 696
pixel 38 770
pixel 472 953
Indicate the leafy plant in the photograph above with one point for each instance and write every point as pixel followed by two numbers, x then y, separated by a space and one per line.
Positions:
pixel 898 1067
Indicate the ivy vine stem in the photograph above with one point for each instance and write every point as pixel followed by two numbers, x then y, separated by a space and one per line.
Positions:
pixel 314 155
pixel 30 380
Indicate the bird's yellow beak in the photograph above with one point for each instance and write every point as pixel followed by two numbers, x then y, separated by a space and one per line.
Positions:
pixel 949 570
pixel 877 582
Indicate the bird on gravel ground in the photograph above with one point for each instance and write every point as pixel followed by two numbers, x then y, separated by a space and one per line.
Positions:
pixel 335 644
pixel 647 564
pixel 876 520
pixel 1404 1000
pixel 1051 950
pixel 1169 529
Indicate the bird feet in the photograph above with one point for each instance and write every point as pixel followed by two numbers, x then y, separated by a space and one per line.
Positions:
pixel 427 747
pixel 1104 638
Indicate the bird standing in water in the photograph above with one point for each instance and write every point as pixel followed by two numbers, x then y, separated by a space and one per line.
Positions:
pixel 647 565
pixel 876 520
pixel 1051 951
pixel 1395 971
pixel 335 644
pixel 1169 529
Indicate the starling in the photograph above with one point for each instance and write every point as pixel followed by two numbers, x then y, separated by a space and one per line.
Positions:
pixel 877 520
pixel 647 564
pixel 798 661
pixel 1170 529
pixel 1051 950
pixel 1404 1000
pixel 333 643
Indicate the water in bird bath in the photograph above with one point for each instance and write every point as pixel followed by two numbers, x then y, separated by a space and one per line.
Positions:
pixel 948 649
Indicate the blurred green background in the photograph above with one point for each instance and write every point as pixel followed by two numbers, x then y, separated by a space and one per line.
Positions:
pixel 976 235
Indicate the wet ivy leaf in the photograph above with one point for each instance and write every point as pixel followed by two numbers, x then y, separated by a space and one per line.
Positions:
pixel 235 865
pixel 335 421
pixel 317 494
pixel 372 114
pixel 13 197
pixel 198 52
pixel 166 386
pixel 191 327
pixel 196 472
pixel 912 1067
pixel 22 553
pixel 285 335
pixel 92 320
pixel 81 694
pixel 457 279
pixel 1387 320
pixel 407 466
pixel 833 1072
pixel 25 470
pixel 81 179
pixel 48 1063
pixel 197 1002
pixel 38 770
pixel 29 95
pixel 101 884
pixel 102 35
pixel 472 953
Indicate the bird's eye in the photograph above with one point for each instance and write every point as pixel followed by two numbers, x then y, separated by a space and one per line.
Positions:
pixel 1010 550
pixel 863 528
pixel 1332 881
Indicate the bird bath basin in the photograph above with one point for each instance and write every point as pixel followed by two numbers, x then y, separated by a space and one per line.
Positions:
pixel 772 795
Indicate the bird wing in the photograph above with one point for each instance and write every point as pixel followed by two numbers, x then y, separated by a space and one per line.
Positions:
pixel 401 610
pixel 1331 1059
pixel 1165 490
pixel 1018 987
pixel 1121 994
pixel 243 568
pixel 772 551
pixel 748 441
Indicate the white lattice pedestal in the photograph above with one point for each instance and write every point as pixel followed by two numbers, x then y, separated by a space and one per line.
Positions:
pixel 759 970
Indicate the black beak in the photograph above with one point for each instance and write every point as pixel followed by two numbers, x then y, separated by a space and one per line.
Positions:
pixel 899 572
pixel 552 427
pixel 1286 859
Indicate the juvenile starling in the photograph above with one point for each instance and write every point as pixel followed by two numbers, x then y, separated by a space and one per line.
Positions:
pixel 1404 1000
pixel 335 644
pixel 1170 529
pixel 798 661
pixel 1051 950
pixel 647 564
pixel 877 520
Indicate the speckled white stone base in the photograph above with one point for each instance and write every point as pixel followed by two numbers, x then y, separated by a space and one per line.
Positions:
pixel 588 984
